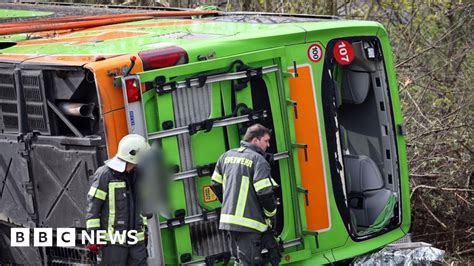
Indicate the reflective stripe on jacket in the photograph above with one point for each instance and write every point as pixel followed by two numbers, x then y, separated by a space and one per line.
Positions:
pixel 241 179
pixel 112 203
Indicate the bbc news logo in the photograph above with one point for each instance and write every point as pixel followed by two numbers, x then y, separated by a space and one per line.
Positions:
pixel 67 237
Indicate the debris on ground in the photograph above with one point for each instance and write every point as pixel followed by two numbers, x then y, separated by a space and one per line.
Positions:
pixel 414 253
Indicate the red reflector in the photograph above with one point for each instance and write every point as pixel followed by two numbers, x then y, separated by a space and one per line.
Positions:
pixel 165 57
pixel 99 58
pixel 287 258
pixel 133 90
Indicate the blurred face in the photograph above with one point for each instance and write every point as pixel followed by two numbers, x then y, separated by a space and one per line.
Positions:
pixel 263 142
pixel 130 167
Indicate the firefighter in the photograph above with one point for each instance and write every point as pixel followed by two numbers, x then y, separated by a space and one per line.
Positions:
pixel 242 183
pixel 112 204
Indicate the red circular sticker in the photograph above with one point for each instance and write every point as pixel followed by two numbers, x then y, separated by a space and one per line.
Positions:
pixel 315 52
pixel 343 52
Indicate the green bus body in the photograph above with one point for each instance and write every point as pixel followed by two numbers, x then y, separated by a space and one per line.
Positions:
pixel 212 46
pixel 9 13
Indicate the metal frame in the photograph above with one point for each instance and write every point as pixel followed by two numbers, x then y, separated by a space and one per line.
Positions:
pixel 286 244
pixel 224 77
pixel 219 123
pixel 194 172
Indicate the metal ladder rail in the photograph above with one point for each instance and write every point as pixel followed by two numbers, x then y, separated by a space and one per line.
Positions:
pixel 193 82
pixel 286 244
pixel 218 123
pixel 190 219
pixel 210 215
pixel 194 172
pixel 211 79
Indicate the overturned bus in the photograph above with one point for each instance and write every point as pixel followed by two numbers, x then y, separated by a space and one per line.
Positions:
pixel 325 86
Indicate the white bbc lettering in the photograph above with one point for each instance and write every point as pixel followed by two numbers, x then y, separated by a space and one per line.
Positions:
pixel 117 237
pixel 43 237
pixel 89 236
pixel 101 237
pixel 66 237
pixel 20 237
pixel 132 235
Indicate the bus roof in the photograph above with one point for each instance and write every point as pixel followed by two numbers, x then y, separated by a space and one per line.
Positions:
pixel 83 46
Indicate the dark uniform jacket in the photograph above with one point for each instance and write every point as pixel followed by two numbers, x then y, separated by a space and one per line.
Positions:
pixel 242 182
pixel 112 203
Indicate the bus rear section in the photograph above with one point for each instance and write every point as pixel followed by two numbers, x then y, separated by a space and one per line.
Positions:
pixel 337 144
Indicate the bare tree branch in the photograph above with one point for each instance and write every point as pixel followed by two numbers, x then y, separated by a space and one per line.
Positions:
pixel 440 188
pixel 432 214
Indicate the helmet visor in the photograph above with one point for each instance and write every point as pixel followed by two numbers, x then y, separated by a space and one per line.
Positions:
pixel 116 164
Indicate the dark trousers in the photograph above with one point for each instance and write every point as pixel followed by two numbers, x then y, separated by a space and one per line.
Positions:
pixel 245 247
pixel 125 255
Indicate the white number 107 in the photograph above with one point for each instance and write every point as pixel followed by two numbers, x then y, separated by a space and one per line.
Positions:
pixel 343 52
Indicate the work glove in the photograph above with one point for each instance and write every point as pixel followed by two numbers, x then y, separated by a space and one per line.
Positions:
pixel 94 248
pixel 146 238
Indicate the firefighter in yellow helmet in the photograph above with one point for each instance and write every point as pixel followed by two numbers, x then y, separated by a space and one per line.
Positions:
pixel 113 206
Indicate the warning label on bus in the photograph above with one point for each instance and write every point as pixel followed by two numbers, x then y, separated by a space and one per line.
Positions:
pixel 209 195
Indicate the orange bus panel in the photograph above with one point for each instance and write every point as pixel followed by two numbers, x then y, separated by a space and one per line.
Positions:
pixel 308 132
pixel 112 107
